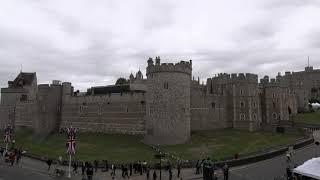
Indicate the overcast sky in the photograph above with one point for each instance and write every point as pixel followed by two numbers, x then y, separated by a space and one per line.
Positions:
pixel 92 43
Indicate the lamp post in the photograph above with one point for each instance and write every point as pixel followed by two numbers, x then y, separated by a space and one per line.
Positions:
pixel 159 156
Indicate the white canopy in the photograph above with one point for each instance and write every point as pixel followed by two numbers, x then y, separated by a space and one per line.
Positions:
pixel 309 168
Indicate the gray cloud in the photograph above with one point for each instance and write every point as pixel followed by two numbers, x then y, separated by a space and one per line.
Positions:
pixel 93 43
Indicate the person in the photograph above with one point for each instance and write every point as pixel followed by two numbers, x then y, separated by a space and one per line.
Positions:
pixel 95 165
pixel 144 166
pixel 122 170
pixel 170 174
pixel 130 168
pixel 83 168
pixel 197 167
pixel 140 167
pixel 154 175
pixel 225 172
pixel 126 174
pixel 49 162
pixel 179 169
pixel 106 165
pixel 19 154
pixel 12 158
pixel 113 168
pixel 75 167
pixel 1 151
pixel 89 171
pixel 148 173
pixel 60 160
pixel 289 173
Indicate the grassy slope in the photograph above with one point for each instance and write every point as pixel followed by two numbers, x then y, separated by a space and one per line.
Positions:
pixel 90 146
pixel 225 143
pixel 309 118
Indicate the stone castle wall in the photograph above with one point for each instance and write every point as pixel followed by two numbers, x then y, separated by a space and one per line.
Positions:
pixel 208 111
pixel 120 113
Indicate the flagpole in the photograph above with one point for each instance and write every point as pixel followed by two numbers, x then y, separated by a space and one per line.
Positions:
pixel 69 176
pixel 5 152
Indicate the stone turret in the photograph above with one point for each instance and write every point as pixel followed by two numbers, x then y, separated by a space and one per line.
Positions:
pixel 168 102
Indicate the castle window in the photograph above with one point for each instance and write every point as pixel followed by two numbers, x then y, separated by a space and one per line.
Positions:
pixel 273 95
pixel 274 115
pixel 254 104
pixel 242 117
pixel 254 117
pixel 213 105
pixel 23 97
pixel 58 109
pixel 166 85
pixel 127 109
pixel 241 92
pixel 242 104
pixel 274 105
pixel 108 102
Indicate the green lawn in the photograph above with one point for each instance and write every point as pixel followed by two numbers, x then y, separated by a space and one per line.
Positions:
pixel 225 143
pixel 309 118
pixel 91 146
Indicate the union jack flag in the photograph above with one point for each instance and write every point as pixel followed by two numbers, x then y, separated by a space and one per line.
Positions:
pixel 71 146
pixel 8 135
pixel 71 132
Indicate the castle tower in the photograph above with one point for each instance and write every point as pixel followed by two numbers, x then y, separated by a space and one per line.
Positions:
pixel 246 101
pixel 168 102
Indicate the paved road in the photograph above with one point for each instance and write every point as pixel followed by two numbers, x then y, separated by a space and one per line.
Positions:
pixel 17 173
pixel 269 169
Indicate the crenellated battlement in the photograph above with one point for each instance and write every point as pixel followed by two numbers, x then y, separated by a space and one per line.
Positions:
pixel 273 82
pixel 182 66
pixel 234 78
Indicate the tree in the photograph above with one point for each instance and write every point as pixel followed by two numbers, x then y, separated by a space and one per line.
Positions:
pixel 122 81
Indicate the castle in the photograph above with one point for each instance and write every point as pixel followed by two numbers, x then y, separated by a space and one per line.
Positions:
pixel 164 107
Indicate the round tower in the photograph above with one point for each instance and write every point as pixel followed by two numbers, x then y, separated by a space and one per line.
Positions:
pixel 168 102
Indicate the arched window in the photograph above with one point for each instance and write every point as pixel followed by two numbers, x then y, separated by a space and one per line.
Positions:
pixel 213 105
pixel 274 115
pixel 242 117
pixel 241 104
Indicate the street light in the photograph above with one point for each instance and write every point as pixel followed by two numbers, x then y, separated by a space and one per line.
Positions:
pixel 159 156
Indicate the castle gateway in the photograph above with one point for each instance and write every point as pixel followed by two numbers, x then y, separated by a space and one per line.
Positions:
pixel 165 106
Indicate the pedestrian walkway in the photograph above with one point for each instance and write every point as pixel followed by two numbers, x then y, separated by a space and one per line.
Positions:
pixel 264 170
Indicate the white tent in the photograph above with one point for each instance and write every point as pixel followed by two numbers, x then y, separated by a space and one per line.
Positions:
pixel 309 168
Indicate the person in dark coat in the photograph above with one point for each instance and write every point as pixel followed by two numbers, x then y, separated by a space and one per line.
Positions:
pixel 89 171
pixel 83 168
pixel 130 168
pixel 49 162
pixel 75 167
pixel 154 175
pixel 170 174
pixel 95 162
pixel 197 167
pixel 225 172
pixel 148 173
pixel 179 170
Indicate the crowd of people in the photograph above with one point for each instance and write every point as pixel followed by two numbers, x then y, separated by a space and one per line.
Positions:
pixel 208 169
pixel 11 156
pixel 127 170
